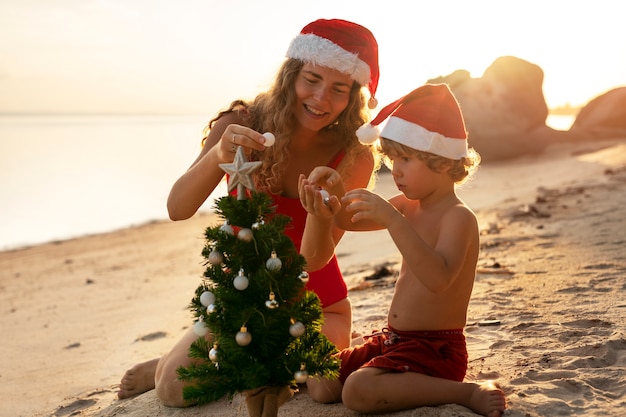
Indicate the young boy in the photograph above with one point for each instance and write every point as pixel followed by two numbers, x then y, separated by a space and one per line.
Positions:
pixel 420 358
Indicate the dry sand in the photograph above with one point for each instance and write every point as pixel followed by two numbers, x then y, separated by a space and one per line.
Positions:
pixel 76 314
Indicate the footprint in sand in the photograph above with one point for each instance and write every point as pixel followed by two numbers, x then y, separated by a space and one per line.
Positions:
pixel 151 336
pixel 74 407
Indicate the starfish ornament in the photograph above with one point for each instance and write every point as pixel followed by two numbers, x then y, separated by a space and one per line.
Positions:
pixel 239 171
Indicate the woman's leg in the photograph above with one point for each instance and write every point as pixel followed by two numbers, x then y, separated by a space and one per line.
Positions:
pixel 338 323
pixel 160 373
pixel 338 328
pixel 138 379
pixel 168 387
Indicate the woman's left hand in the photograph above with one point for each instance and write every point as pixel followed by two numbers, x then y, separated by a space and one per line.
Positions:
pixel 315 201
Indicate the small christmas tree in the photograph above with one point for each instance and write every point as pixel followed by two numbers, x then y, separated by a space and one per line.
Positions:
pixel 265 327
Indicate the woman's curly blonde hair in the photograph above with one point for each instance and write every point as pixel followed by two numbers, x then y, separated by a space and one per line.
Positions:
pixel 460 170
pixel 272 111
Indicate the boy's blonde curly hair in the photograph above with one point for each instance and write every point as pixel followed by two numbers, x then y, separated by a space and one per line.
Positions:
pixel 459 170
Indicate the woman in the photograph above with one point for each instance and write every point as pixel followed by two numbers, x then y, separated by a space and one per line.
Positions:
pixel 313 109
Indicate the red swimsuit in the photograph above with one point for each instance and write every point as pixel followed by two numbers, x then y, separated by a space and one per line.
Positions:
pixel 327 282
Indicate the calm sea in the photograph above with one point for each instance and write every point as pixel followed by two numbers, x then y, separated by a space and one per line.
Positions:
pixel 68 176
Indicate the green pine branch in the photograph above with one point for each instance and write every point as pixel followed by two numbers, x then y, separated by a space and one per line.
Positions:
pixel 273 355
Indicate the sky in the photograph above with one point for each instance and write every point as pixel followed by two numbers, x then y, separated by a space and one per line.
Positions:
pixel 196 56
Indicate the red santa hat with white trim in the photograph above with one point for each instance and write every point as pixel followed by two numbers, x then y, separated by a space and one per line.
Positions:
pixel 427 119
pixel 341 45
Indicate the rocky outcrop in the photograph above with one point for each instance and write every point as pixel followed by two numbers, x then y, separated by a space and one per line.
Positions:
pixel 504 110
pixel 603 117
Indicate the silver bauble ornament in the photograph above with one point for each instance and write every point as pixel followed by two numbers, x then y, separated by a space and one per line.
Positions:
pixel 302 375
pixel 325 196
pixel 215 257
pixel 241 281
pixel 213 353
pixel 296 329
pixel 245 235
pixel 271 303
pixel 207 298
pixel 200 329
pixel 274 263
pixel 304 276
pixel 243 338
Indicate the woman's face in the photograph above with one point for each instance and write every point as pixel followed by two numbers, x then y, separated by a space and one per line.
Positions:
pixel 322 94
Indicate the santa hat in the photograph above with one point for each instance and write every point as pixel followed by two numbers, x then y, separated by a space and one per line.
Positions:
pixel 344 46
pixel 427 119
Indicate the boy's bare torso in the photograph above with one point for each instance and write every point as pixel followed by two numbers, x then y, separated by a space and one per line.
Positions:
pixel 415 307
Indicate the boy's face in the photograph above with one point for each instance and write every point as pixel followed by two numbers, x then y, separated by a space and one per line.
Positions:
pixel 413 177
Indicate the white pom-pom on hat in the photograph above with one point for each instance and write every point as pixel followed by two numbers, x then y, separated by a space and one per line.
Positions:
pixel 367 133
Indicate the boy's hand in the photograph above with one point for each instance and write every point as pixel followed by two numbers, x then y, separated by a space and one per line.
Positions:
pixel 367 205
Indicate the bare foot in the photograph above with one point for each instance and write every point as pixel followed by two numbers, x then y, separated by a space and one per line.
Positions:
pixel 138 379
pixel 488 400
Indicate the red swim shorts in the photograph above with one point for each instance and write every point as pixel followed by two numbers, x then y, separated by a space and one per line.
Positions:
pixel 440 353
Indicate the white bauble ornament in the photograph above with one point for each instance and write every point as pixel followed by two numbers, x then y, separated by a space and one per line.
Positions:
pixel 215 257
pixel 325 196
pixel 271 303
pixel 243 338
pixel 241 281
pixel 296 329
pixel 274 263
pixel 213 353
pixel 207 298
pixel 302 375
pixel 270 139
pixel 245 235
pixel 200 328
pixel 227 228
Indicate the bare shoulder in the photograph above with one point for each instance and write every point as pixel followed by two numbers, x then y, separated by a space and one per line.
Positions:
pixel 459 216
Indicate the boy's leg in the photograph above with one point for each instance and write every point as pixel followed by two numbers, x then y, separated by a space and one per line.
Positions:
pixel 375 390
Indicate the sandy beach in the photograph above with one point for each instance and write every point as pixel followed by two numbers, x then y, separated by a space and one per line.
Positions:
pixel 547 318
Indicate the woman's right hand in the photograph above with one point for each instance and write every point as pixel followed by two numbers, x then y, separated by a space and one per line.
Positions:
pixel 192 189
pixel 237 135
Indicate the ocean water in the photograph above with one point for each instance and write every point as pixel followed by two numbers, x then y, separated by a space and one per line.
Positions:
pixel 68 176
